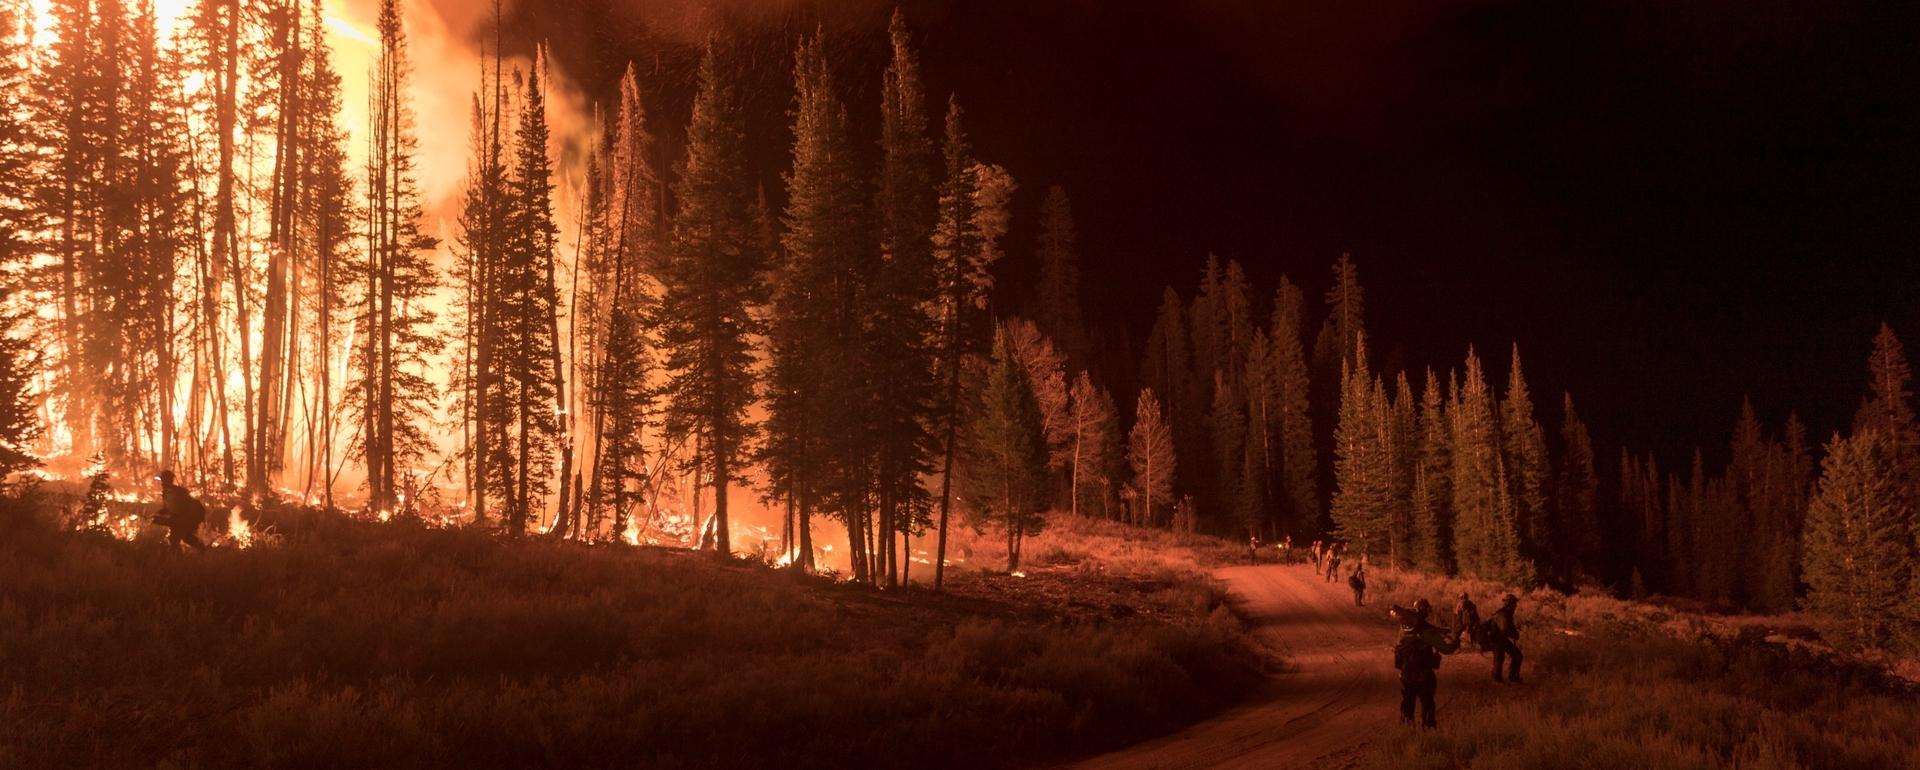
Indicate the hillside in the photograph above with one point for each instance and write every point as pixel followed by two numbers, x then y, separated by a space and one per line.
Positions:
pixel 345 643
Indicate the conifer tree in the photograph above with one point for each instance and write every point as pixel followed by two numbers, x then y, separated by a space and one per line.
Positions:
pixel 973 218
pixel 1207 327
pixel 1525 450
pixel 20 143
pixel 1167 370
pixel 1889 409
pixel 1262 388
pixel 1150 453
pixel 66 101
pixel 1227 425
pixel 1057 299
pixel 19 422
pixel 275 97
pixel 112 286
pixel 1432 483
pixel 327 213
pixel 1889 404
pixel 1858 552
pixel 826 357
pixel 1347 303
pixel 479 256
pixel 1576 496
pixel 712 285
pixel 1299 469
pixel 1046 372
pixel 1402 457
pixel 1486 531
pixel 393 398
pixel 1363 489
pixel 626 219
pixel 1007 453
pixel 625 399
pixel 900 321
pixel 19 226
pixel 1250 507
pixel 526 340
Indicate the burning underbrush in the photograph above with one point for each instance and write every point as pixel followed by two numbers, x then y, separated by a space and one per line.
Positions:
pixel 352 643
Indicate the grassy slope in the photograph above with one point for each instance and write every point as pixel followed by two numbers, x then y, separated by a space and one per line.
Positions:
pixel 360 645
pixel 1616 684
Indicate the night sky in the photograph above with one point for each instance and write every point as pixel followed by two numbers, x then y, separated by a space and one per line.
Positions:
pixel 1666 205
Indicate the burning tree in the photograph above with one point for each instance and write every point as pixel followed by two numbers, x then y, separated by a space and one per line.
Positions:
pixel 393 397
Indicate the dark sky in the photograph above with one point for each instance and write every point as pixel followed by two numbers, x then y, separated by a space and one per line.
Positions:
pixel 1667 205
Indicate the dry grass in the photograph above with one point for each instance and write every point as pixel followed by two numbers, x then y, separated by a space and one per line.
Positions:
pixel 350 644
pixel 1624 684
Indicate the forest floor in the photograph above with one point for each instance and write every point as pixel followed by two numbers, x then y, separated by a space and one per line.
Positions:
pixel 344 643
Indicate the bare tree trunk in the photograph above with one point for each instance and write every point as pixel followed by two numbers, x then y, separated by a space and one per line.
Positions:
pixel 805 525
pixel 946 462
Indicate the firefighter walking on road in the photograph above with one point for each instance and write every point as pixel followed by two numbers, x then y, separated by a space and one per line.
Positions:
pixel 1419 664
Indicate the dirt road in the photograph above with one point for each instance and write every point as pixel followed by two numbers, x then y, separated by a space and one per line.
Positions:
pixel 1338 688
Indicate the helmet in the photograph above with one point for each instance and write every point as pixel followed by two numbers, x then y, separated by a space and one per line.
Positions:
pixel 165 477
pixel 1464 597
pixel 1421 607
pixel 1510 599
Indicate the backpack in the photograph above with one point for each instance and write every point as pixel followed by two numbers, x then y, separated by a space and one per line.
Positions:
pixel 183 510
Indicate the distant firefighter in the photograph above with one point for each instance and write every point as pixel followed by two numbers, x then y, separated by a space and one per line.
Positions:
pixel 1319 555
pixel 1358 582
pixel 180 513
pixel 1466 618
pixel 1333 564
pixel 1502 635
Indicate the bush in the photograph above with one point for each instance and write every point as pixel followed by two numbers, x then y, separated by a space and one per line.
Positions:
pixel 1621 692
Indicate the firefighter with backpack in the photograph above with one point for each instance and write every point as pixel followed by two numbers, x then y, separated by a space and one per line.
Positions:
pixel 180 513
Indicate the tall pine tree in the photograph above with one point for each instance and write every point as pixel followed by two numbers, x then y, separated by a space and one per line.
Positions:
pixel 712 285
pixel 1858 548
pixel 1057 299
pixel 1007 454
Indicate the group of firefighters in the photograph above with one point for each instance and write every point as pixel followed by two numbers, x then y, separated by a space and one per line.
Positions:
pixel 1416 654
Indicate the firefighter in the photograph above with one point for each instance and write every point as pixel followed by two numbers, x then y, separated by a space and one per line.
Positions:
pixel 1466 618
pixel 1503 634
pixel 1419 665
pixel 180 513
pixel 1358 582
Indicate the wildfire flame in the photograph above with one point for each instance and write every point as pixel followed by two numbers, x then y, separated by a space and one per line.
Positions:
pixel 239 532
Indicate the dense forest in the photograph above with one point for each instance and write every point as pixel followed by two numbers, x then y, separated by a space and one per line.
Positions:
pixel 206 271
